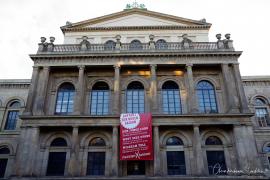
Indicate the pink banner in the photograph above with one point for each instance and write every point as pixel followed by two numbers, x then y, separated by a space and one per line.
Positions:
pixel 136 137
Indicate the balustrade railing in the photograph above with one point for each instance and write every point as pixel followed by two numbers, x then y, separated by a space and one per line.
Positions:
pixel 127 47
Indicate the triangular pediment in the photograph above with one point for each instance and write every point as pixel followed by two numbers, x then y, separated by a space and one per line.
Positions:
pixel 135 18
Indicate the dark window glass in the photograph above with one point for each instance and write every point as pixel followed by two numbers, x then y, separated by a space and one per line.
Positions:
pixel 4 150
pixel 213 140
pixel 135 45
pixel 59 142
pixel 97 142
pixel 56 164
pixel 176 163
pixel 100 99
pixel 135 167
pixel 174 141
pixel 161 44
pixel 216 162
pixel 109 45
pixel 171 98
pixel 206 97
pixel 11 120
pixel 260 102
pixel 3 166
pixel 135 98
pixel 65 99
pixel 96 163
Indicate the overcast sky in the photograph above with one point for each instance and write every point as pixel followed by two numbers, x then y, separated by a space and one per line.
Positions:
pixel 23 22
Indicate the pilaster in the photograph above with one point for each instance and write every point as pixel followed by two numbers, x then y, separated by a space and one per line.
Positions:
pixel 116 89
pixel 153 88
pixel 74 165
pixel 157 167
pixel 192 105
pixel 80 92
pixel 198 153
pixel 240 89
pixel 115 153
pixel 231 104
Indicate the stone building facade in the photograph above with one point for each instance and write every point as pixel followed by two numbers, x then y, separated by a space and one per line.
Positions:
pixel 65 121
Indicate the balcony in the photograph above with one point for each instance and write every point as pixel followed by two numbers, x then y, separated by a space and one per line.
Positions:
pixel 186 45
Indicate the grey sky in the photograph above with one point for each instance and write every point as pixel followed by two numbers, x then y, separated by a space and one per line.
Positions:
pixel 23 22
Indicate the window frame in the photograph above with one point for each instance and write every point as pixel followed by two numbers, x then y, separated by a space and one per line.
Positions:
pixel 263 121
pixel 175 92
pixel 15 120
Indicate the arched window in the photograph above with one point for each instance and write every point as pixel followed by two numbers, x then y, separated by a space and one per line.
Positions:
pixel 215 156
pixel 57 158
pixel 4 153
pixel 261 112
pixel 13 110
pixel 96 157
pixel 176 164
pixel 65 99
pixel 135 45
pixel 100 99
pixel 206 97
pixel 97 142
pixel 109 45
pixel 161 44
pixel 171 98
pixel 58 142
pixel 135 97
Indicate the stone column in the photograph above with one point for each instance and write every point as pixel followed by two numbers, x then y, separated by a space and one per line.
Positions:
pixel 117 91
pixel 153 88
pixel 240 89
pixel 28 147
pixel 198 153
pixel 115 164
pixel 42 90
pixel 192 100
pixel 74 168
pixel 79 108
pixel 32 91
pixel 157 169
pixel 240 146
pixel 231 104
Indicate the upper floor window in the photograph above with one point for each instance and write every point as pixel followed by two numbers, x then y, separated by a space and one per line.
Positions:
pixel 12 115
pixel 171 98
pixel 65 99
pixel 135 97
pixel 135 45
pixel 100 99
pixel 206 97
pixel 261 112
pixel 109 45
pixel 161 44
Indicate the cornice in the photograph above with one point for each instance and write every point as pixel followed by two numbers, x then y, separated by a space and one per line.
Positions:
pixel 132 28
pixel 134 54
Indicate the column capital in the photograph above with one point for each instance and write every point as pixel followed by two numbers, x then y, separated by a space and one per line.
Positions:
pixel 153 66
pixel 36 67
pixel 189 65
pixel 46 68
pixel 81 67
pixel 117 66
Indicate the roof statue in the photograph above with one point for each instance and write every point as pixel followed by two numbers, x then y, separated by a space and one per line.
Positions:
pixel 135 4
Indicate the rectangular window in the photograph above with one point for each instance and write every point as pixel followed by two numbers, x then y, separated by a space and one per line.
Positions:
pixel 176 163
pixel 56 164
pixel 11 120
pixel 3 166
pixel 99 102
pixel 96 163
pixel 135 167
pixel 262 117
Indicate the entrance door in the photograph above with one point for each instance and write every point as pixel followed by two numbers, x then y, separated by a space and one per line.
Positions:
pixel 135 167
pixel 96 163
pixel 3 166
pixel 56 164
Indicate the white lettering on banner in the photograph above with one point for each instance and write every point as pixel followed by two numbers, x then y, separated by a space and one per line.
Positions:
pixel 130 120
